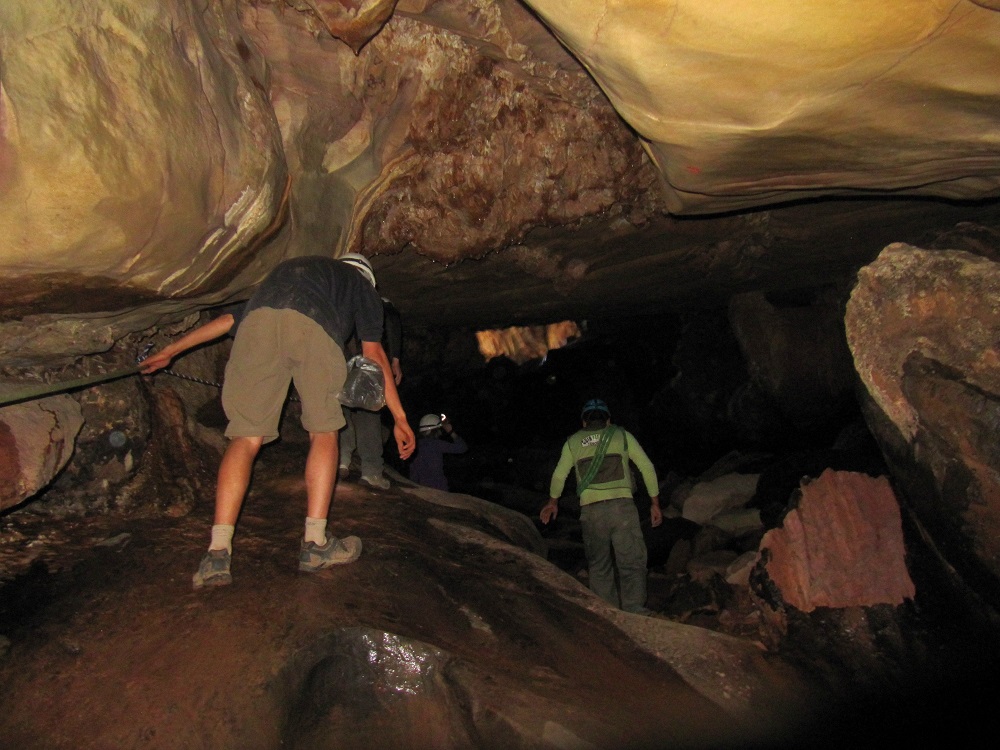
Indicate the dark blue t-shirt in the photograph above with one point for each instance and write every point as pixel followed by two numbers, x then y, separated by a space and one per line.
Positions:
pixel 332 293
pixel 427 467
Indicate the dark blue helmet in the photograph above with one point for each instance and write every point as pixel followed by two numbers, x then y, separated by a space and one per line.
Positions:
pixel 595 404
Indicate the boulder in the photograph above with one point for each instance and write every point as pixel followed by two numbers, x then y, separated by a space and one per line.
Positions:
pixel 922 326
pixel 841 547
pixel 36 442
pixel 796 352
pixel 708 499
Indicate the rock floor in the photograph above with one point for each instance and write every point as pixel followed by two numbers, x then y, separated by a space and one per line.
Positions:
pixel 427 641
pixel 424 642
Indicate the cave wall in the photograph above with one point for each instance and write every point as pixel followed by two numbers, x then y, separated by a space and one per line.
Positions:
pixel 141 161
pixel 159 157
pixel 744 103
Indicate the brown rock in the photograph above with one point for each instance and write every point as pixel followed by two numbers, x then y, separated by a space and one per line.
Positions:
pixel 446 632
pixel 923 328
pixel 36 441
pixel 795 353
pixel 752 86
pixel 354 22
pixel 842 546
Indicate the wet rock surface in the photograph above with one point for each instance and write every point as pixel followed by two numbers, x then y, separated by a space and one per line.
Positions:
pixel 450 631
pixel 443 634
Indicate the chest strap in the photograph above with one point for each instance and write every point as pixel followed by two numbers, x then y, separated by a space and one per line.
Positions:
pixel 595 464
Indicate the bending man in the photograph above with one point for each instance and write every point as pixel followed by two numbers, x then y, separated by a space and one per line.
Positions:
pixel 292 329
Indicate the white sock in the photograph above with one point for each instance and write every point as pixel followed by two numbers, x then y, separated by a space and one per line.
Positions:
pixel 316 530
pixel 222 537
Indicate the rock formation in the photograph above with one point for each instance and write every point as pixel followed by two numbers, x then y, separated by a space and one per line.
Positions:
pixel 36 441
pixel 158 159
pixel 842 546
pixel 450 631
pixel 923 329
pixel 736 167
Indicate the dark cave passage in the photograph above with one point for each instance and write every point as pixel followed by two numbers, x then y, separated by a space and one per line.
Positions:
pixel 680 384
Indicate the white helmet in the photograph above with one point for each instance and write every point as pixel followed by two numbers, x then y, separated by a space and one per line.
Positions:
pixel 430 422
pixel 360 262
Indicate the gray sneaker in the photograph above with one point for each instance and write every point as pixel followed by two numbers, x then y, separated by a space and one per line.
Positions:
pixel 378 482
pixel 213 570
pixel 313 557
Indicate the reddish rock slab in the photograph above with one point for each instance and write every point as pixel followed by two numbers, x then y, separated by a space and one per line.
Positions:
pixel 842 547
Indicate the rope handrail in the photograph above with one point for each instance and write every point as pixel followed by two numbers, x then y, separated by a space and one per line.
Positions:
pixel 40 390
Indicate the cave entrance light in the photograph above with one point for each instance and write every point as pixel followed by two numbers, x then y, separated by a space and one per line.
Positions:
pixel 524 343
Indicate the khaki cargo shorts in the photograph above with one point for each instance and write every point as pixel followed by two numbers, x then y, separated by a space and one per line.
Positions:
pixel 272 349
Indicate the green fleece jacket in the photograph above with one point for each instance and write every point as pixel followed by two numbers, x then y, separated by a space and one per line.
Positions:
pixel 613 479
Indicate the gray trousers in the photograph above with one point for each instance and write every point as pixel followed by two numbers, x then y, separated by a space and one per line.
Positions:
pixel 364 433
pixel 612 536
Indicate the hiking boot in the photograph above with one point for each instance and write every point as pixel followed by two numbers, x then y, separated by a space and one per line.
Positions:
pixel 378 482
pixel 313 557
pixel 343 472
pixel 214 569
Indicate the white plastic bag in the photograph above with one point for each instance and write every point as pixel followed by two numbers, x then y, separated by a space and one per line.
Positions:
pixel 365 385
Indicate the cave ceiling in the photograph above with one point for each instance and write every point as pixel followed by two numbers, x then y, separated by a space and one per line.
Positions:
pixel 501 162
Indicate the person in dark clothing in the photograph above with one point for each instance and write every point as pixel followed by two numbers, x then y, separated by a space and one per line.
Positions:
pixel 363 431
pixel 292 329
pixel 436 438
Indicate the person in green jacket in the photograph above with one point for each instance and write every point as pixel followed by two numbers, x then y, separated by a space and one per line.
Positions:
pixel 600 454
